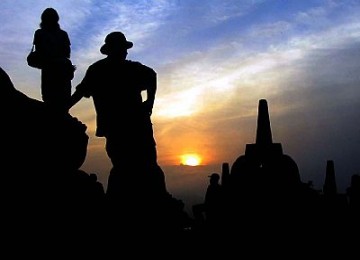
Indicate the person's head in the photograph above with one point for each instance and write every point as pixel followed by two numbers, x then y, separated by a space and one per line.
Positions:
pixel 49 18
pixel 214 178
pixel 116 45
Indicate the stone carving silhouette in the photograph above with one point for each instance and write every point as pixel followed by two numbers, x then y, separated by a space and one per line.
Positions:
pixel 42 153
pixel 330 188
pixel 263 188
pixel 265 173
pixel 32 131
pixel 334 204
pixel 263 194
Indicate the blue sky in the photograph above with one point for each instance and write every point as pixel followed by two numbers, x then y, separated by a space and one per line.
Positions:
pixel 215 59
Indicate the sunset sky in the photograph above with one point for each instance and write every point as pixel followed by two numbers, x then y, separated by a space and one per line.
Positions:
pixel 215 59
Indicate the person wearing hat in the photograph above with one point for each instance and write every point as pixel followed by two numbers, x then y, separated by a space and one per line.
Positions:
pixel 210 211
pixel 122 117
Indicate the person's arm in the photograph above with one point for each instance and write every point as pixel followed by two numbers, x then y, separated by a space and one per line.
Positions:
pixel 151 86
pixel 37 40
pixel 83 89
pixel 76 97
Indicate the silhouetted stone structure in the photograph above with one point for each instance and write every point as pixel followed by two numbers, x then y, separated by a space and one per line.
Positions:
pixel 42 153
pixel 334 205
pixel 36 136
pixel 263 189
pixel 264 194
pixel 330 188
pixel 265 176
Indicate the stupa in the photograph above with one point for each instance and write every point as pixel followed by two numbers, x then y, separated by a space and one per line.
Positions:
pixel 264 170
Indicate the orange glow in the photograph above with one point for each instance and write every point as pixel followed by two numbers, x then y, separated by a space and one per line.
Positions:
pixel 190 159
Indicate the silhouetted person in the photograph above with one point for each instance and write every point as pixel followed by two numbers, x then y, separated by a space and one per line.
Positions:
pixel 211 210
pixel 123 118
pixel 214 198
pixel 53 45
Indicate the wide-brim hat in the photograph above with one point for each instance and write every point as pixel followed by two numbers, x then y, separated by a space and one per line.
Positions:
pixel 115 41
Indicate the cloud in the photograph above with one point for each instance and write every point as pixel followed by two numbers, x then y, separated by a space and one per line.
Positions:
pixel 270 29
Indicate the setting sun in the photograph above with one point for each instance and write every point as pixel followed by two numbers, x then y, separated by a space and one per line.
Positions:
pixel 190 159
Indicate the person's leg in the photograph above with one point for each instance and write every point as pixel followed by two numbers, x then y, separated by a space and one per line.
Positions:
pixel 55 88
pixel 126 173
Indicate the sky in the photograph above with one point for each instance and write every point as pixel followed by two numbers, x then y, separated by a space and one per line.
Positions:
pixel 215 60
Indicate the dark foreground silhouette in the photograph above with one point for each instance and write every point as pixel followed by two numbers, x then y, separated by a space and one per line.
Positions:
pixel 263 198
pixel 44 191
pixel 45 195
